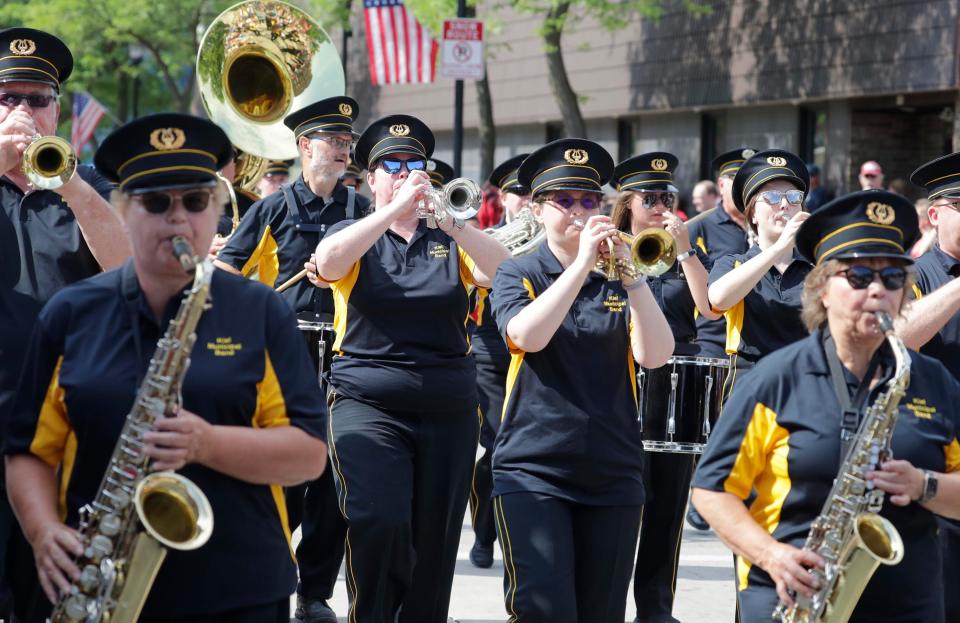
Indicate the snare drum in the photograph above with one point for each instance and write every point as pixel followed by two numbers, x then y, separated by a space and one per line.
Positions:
pixel 679 403
pixel 319 337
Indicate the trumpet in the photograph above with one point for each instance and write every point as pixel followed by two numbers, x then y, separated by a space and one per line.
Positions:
pixel 459 198
pixel 49 162
pixel 652 253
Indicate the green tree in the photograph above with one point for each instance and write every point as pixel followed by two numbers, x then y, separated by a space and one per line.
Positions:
pixel 556 16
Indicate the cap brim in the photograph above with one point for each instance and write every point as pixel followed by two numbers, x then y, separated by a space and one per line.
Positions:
pixel 571 186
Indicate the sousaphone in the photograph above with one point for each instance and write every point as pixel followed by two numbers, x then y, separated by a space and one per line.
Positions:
pixel 259 61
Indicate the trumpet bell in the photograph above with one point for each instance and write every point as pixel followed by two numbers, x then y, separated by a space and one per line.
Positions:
pixel 654 251
pixel 462 196
pixel 49 162
pixel 259 61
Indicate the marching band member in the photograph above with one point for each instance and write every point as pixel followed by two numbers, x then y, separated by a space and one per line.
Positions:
pixel 440 172
pixel 251 420
pixel 403 406
pixel 48 238
pixel 276 175
pixel 278 236
pixel 780 434
pixel 932 324
pixel 567 463
pixel 759 291
pixel 492 360
pixel 647 198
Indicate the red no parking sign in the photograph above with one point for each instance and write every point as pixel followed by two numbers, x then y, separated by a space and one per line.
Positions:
pixel 462 49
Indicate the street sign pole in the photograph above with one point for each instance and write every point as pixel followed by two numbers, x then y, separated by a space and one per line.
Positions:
pixel 458 108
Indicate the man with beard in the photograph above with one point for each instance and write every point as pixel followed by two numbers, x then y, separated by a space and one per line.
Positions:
pixel 275 239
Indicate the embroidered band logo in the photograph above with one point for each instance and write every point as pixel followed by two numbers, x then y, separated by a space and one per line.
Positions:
pixel 23 47
pixel 576 156
pixel 224 347
pixel 880 213
pixel 165 139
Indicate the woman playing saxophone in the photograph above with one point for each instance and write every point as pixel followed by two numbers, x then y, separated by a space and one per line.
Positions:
pixel 250 420
pixel 791 422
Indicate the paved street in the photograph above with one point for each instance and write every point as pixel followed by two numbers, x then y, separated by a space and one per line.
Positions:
pixel 704 585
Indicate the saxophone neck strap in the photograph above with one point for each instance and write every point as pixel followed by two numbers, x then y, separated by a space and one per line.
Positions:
pixel 850 409
pixel 130 289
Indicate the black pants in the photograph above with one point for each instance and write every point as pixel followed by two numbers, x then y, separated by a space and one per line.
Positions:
pixel 491 384
pixel 314 505
pixel 402 480
pixel 276 612
pixel 666 483
pixel 565 562
pixel 950 544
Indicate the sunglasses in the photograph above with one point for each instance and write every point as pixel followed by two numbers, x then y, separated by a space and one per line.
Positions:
pixel 774 197
pixel 33 100
pixel 860 277
pixel 333 141
pixel 869 176
pixel 193 201
pixel 650 200
pixel 565 201
pixel 393 166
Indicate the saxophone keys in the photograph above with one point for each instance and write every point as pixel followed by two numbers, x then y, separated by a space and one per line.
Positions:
pixel 76 607
pixel 110 525
pixel 100 546
pixel 89 577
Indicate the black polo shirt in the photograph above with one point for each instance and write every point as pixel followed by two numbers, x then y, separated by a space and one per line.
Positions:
pixel 569 426
pixel 401 325
pixel 673 295
pixel 716 235
pixel 52 251
pixel 780 437
pixel 269 241
pixel 935 269
pixel 487 342
pixel 249 369
pixel 19 312
pixel 768 317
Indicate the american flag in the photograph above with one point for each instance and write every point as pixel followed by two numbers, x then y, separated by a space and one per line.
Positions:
pixel 87 113
pixel 401 51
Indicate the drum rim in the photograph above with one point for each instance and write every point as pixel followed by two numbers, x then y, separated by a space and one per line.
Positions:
pixel 698 361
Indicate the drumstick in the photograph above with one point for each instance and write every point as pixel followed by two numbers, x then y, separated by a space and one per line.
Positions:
pixel 292 280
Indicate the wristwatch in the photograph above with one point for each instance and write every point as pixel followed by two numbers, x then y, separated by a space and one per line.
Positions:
pixel 929 486
pixel 686 254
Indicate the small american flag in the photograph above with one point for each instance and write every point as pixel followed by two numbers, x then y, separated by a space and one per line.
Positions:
pixel 401 51
pixel 87 113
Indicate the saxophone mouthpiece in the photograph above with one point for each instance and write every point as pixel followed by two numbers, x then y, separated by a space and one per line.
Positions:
pixel 886 323
pixel 184 253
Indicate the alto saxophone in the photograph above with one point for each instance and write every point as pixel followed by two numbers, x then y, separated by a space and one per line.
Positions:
pixel 849 534
pixel 136 514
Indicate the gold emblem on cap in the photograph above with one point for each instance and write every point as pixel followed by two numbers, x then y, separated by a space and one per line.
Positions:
pixel 346 109
pixel 777 161
pixel 400 129
pixel 747 153
pixel 576 156
pixel 881 213
pixel 165 139
pixel 659 164
pixel 23 47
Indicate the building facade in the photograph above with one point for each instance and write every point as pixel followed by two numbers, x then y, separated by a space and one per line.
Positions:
pixel 836 82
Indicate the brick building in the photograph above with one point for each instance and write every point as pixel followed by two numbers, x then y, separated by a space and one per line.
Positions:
pixel 837 82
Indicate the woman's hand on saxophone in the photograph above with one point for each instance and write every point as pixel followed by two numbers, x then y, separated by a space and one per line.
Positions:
pixel 55 546
pixel 900 480
pixel 177 441
pixel 789 567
